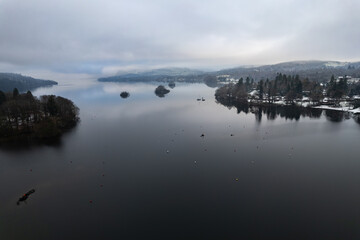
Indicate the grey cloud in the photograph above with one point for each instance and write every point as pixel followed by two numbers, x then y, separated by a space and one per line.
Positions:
pixel 84 35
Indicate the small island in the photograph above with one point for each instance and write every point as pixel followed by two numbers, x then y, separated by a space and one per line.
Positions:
pixel 29 117
pixel 160 91
pixel 124 94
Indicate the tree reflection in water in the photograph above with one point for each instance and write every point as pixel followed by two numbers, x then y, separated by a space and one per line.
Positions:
pixel 290 112
pixel 334 116
pixel 357 118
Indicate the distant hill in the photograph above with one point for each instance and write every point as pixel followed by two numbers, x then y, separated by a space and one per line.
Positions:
pixel 171 72
pixel 9 81
pixel 162 75
pixel 319 71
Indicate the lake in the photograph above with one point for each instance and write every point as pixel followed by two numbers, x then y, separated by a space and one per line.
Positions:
pixel 139 168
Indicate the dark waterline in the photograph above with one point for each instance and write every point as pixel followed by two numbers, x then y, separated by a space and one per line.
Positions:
pixel 139 169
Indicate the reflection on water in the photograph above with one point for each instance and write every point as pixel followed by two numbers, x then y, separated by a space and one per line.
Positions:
pixel 336 116
pixel 357 118
pixel 288 112
pixel 25 143
pixel 177 168
pixel 172 85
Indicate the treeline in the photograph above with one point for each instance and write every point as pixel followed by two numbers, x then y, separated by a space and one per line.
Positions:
pixel 44 117
pixel 291 87
pixel 337 89
pixel 238 91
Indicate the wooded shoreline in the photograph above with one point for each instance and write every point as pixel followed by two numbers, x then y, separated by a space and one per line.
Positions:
pixel 27 116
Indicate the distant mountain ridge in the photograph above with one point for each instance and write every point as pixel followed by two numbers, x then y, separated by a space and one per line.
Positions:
pixel 9 81
pixel 174 71
pixel 298 66
pixel 314 70
pixel 162 74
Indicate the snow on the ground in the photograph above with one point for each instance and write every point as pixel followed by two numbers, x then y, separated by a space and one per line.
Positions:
pixel 343 106
pixel 356 110
pixel 279 102
pixel 344 109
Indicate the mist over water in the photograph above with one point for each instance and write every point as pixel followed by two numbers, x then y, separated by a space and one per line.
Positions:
pixel 138 168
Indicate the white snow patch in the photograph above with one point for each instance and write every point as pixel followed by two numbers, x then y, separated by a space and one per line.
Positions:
pixel 344 109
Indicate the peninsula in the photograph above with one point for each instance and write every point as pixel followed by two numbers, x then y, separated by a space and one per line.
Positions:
pixel 9 81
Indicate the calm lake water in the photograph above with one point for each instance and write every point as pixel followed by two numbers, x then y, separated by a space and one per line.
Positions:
pixel 138 168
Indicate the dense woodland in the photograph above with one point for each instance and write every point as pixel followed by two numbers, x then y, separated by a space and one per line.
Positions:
pixel 44 117
pixel 290 87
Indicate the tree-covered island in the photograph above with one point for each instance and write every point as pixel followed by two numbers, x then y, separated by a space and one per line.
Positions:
pixel 161 91
pixel 27 116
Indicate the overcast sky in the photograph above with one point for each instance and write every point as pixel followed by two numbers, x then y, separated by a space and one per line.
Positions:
pixel 106 36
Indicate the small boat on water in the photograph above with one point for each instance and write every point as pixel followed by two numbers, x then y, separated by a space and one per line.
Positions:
pixel 25 196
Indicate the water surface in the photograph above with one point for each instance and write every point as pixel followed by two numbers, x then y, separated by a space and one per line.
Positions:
pixel 138 168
